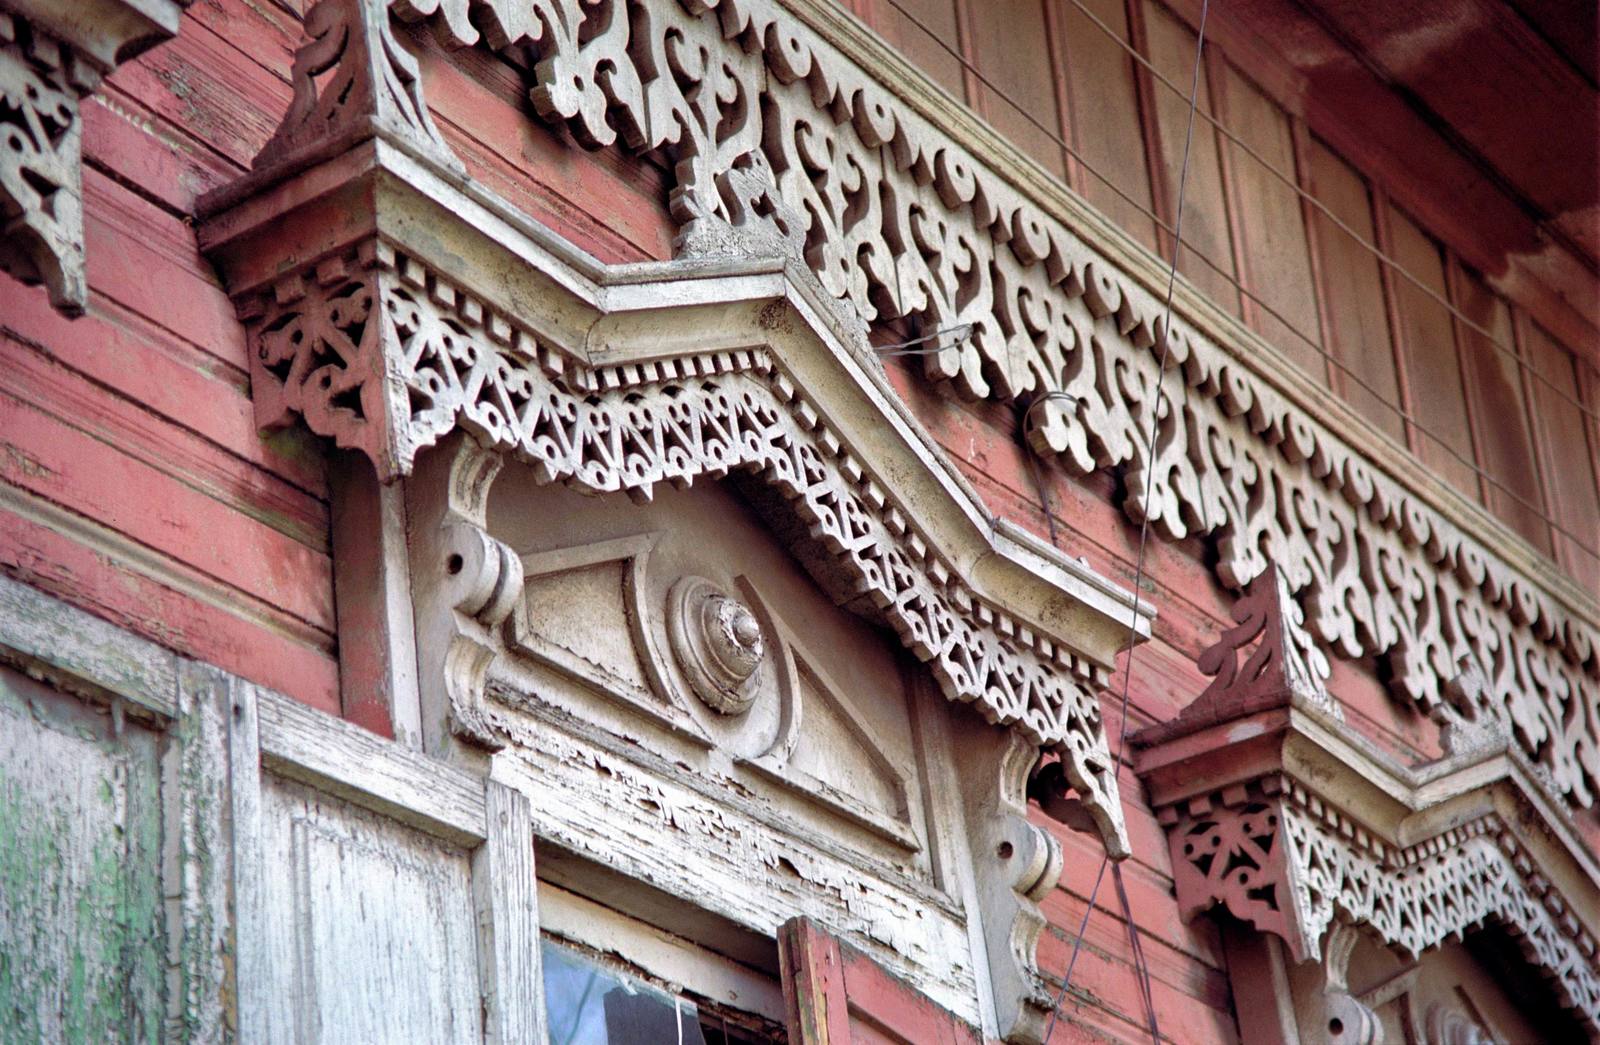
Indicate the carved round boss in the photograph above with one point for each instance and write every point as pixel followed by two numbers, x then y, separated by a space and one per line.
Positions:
pixel 718 643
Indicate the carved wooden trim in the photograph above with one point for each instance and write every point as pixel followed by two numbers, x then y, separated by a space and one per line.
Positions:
pixel 383 355
pixel 52 56
pixel 1276 813
pixel 826 163
pixel 1276 855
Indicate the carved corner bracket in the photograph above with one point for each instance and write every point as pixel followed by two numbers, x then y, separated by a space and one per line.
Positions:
pixel 52 56
pixel 1276 812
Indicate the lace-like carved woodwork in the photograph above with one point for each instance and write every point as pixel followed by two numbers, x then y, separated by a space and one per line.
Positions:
pixel 379 354
pixel 41 191
pixel 777 139
pixel 1274 856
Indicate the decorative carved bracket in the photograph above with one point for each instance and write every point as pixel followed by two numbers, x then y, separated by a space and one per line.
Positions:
pixel 52 56
pixel 1277 812
pixel 1018 863
pixel 783 146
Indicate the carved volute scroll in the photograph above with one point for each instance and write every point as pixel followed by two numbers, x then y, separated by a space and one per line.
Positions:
pixel 52 56
pixel 1017 864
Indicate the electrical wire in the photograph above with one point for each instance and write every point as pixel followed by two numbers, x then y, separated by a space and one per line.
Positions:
pixel 1310 198
pixel 1142 969
pixel 1349 372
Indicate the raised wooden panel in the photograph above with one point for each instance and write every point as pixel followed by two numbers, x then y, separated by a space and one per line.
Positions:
pixel 1272 236
pixel 1352 289
pixel 1171 49
pixel 380 894
pixel 1104 99
pixel 1428 352
pixel 1566 450
pixel 372 927
pixel 1011 48
pixel 82 953
pixel 1500 411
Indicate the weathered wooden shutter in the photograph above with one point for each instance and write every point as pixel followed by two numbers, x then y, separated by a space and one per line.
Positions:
pixel 838 996
pixel 381 895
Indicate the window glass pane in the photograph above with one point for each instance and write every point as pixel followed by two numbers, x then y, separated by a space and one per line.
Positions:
pixel 589 1004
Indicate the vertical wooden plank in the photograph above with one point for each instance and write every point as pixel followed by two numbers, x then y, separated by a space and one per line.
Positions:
pixel 252 964
pixel 916 28
pixel 925 32
pixel 1055 40
pixel 1564 447
pixel 1498 409
pixel 1263 1001
pixel 813 978
pixel 1207 257
pixel 1427 352
pixel 1011 48
pixel 1103 96
pixel 837 995
pixel 372 600
pixel 1272 255
pixel 505 891
pixel 198 926
pixel 1358 333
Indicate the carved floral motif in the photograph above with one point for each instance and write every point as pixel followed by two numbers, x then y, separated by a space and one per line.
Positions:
pixel 778 142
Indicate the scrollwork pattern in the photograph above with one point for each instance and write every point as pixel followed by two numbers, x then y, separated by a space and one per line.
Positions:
pixel 1277 857
pixel 379 353
pixel 41 134
pixel 774 134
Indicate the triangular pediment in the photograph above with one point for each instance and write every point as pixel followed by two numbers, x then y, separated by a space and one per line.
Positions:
pixel 442 308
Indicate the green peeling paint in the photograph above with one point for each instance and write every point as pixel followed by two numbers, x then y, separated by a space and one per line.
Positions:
pixel 80 899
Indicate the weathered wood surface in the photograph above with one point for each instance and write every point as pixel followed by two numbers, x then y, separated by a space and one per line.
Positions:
pixel 188 117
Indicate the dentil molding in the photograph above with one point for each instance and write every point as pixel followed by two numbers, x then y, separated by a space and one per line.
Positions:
pixel 53 55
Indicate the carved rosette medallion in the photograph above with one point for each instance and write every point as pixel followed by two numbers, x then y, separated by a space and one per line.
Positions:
pixel 718 643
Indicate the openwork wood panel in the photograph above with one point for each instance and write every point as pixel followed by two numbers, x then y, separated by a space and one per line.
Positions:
pixel 52 56
pixel 778 143
pixel 384 355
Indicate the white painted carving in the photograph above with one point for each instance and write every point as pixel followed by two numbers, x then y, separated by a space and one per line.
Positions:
pixel 52 56
pixel 41 191
pixel 782 141
pixel 1279 857
pixel 717 641
pixel 382 354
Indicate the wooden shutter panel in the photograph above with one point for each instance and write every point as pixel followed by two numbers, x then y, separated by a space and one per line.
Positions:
pixel 838 996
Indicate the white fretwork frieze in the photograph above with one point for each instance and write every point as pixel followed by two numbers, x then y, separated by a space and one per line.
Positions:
pixel 1278 812
pixel 383 355
pixel 1276 856
pixel 52 56
pixel 778 143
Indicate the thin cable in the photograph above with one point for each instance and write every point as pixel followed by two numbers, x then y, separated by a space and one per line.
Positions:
pixel 1204 258
pixel 903 348
pixel 1137 947
pixel 1144 521
pixel 1539 510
